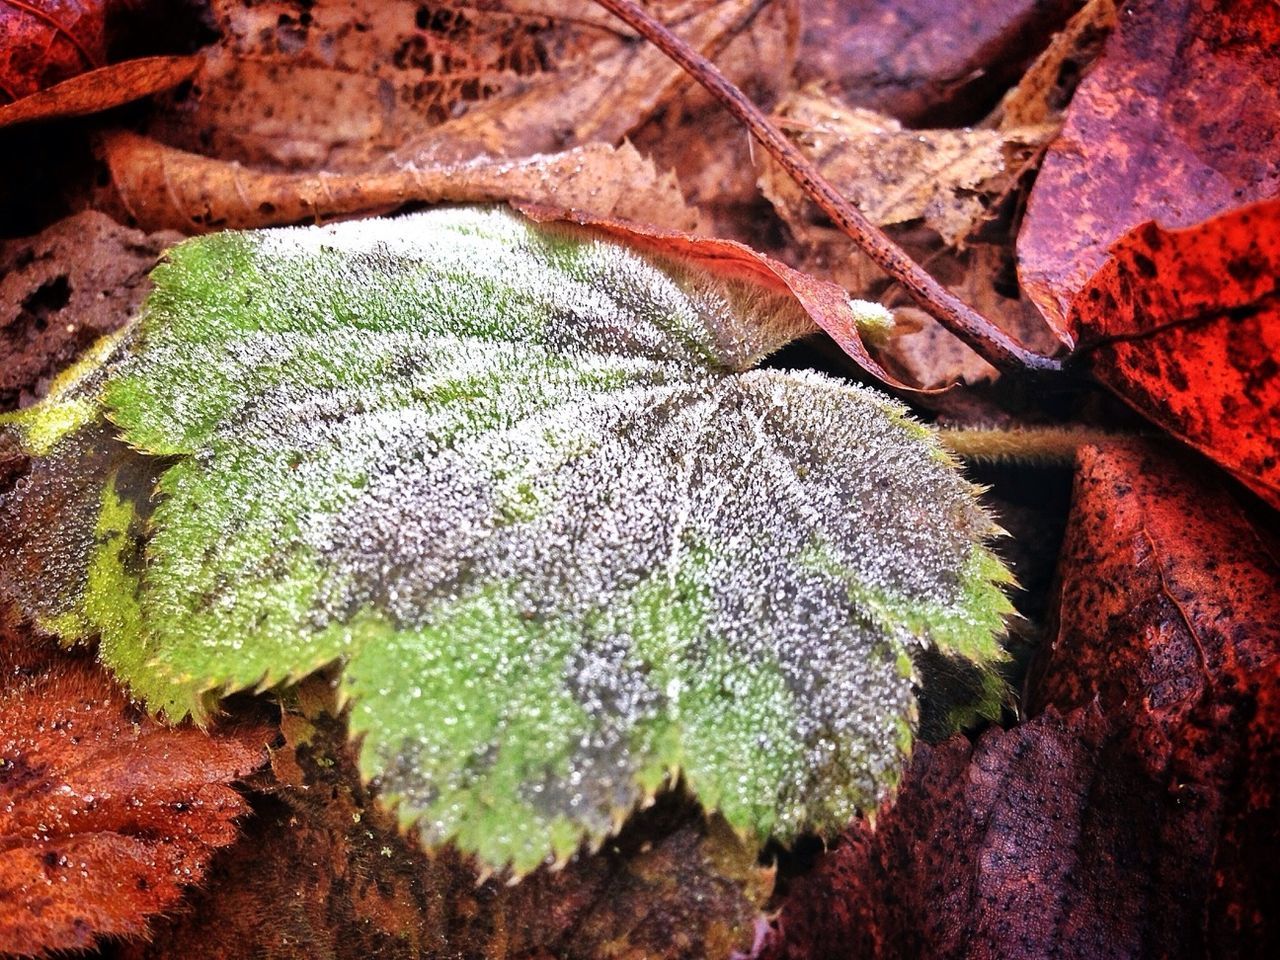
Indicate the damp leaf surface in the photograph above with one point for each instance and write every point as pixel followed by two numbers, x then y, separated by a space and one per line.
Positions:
pixel 529 489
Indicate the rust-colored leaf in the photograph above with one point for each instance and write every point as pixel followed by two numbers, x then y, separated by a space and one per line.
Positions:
pixel 323 871
pixel 43 42
pixel 105 815
pixel 922 61
pixel 61 290
pixel 1134 815
pixel 827 303
pixel 1184 325
pixel 101 89
pixel 1179 120
pixel 161 187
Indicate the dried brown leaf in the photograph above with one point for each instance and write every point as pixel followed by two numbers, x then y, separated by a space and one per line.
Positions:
pixel 105 815
pixel 161 187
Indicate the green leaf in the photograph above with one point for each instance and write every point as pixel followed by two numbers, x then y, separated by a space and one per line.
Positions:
pixel 528 488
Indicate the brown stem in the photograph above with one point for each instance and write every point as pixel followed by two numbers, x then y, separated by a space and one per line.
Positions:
pixel 988 340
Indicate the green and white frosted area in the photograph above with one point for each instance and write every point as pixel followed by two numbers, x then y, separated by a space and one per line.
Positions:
pixel 529 489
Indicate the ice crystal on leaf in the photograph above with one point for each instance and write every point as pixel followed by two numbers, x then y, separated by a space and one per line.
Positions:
pixel 529 489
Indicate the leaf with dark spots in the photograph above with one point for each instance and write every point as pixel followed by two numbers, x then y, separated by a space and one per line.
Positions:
pixel 1179 120
pixel 1184 325
pixel 323 871
pixel 105 815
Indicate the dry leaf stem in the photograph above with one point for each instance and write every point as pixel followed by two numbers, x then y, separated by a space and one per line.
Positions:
pixel 988 340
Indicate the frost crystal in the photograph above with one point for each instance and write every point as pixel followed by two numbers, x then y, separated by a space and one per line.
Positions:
pixel 525 484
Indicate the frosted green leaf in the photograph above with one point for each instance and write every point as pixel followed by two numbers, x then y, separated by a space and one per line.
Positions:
pixel 529 489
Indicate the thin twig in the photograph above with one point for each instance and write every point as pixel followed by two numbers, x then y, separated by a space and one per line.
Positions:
pixel 988 340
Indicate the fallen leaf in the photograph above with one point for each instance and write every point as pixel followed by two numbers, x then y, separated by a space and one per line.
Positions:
pixel 1170 604
pixel 63 289
pixel 1134 815
pixel 425 492
pixel 920 61
pixel 321 870
pixel 1047 87
pixel 1179 120
pixel 931 190
pixel 47 41
pixel 1184 326
pixel 101 89
pixel 105 815
pixel 895 175
pixel 161 187
pixel 351 86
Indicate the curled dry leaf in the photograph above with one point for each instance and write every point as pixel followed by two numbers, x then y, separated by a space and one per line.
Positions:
pixel 63 289
pixel 1134 816
pixel 101 89
pixel 322 870
pixel 105 815
pixel 1179 120
pixel 165 188
pixel 921 61
pixel 1184 325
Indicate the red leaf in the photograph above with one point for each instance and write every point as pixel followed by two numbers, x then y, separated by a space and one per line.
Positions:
pixel 45 41
pixel 825 302
pixel 1184 325
pixel 1179 120
pixel 104 814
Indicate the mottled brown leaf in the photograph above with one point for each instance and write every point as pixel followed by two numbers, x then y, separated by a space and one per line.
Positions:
pixel 1179 120
pixel 344 85
pixel 922 61
pixel 61 290
pixel 161 187
pixel 322 871
pixel 105 815
pixel 1184 325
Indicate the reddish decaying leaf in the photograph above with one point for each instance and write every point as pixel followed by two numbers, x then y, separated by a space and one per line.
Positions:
pixel 105 814
pixel 1179 120
pixel 45 41
pixel 1184 325
pixel 1135 814
pixel 101 89
pixel 827 303
pixel 924 62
